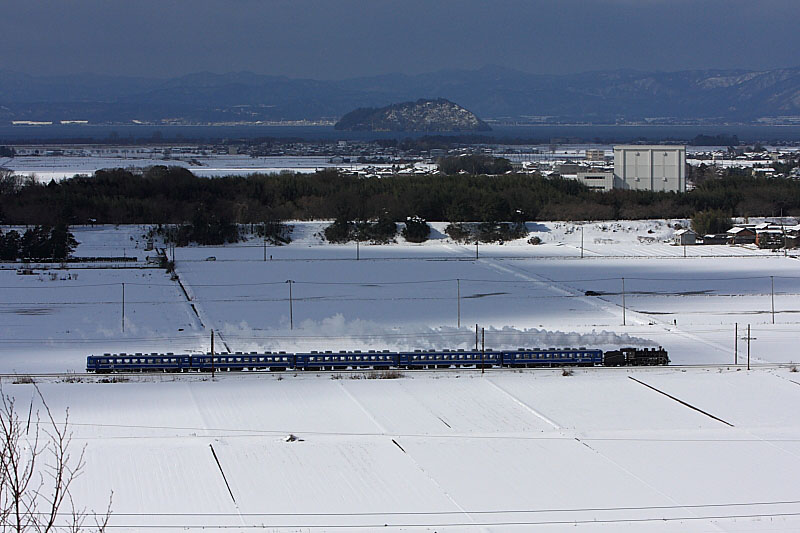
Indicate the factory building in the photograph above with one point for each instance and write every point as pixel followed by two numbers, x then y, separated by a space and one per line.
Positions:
pixel 650 167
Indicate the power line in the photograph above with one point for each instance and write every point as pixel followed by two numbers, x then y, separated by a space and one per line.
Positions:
pixel 470 523
pixel 406 282
pixel 473 512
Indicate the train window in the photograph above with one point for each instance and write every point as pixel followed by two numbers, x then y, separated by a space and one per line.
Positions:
pixel 260 359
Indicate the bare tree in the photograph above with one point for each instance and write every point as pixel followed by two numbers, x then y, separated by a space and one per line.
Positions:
pixel 37 470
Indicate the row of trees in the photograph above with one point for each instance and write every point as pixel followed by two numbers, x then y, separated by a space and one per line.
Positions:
pixel 382 230
pixel 486 231
pixel 37 243
pixel 174 196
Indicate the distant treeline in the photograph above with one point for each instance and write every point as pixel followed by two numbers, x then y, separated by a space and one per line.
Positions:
pixel 172 195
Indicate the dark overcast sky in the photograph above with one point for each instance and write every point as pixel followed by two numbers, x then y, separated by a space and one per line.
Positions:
pixel 345 38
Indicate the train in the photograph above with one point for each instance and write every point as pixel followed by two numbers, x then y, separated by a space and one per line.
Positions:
pixel 374 360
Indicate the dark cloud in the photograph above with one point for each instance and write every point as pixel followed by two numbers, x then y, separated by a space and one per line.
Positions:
pixel 345 38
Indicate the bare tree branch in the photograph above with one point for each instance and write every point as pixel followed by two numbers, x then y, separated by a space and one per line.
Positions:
pixel 37 471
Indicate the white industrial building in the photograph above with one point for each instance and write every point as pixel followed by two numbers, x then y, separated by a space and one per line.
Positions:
pixel 597 180
pixel 650 167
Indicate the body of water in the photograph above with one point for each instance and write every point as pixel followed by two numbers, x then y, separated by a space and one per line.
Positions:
pixel 601 134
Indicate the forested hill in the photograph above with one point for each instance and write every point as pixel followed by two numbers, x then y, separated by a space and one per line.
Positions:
pixel 423 115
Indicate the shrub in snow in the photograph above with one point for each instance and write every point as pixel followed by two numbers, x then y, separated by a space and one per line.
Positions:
pixel 416 230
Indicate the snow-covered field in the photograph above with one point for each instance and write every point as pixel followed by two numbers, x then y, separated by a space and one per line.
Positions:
pixel 505 451
pixel 405 296
pixel 601 450
pixel 44 168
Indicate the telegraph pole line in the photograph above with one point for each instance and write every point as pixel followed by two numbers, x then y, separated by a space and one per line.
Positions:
pixel 291 314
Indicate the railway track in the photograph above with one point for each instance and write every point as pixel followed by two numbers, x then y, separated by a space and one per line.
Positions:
pixel 364 373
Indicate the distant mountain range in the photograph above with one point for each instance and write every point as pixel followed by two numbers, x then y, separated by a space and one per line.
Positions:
pixel 423 115
pixel 491 93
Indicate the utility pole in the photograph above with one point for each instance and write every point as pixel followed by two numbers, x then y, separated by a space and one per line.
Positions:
pixel 458 298
pixel 623 301
pixel 476 250
pixel 483 350
pixel 748 346
pixel 772 296
pixel 358 251
pixel 123 308
pixel 736 344
pixel 476 337
pixel 581 242
pixel 291 314
pixel 212 354
pixel 684 250
pixel 265 247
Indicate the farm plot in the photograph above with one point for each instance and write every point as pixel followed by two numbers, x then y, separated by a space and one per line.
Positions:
pixel 456 452
pixel 51 319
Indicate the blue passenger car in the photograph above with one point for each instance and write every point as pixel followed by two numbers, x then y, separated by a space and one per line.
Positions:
pixel 552 357
pixel 137 362
pixel 343 359
pixel 243 361
pixel 448 358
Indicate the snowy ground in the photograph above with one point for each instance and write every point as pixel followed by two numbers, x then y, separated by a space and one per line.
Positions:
pixel 602 450
pixel 503 451
pixel 405 296
pixel 46 168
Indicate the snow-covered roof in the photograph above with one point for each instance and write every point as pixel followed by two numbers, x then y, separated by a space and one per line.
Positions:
pixel 737 230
